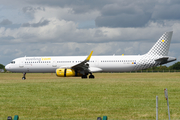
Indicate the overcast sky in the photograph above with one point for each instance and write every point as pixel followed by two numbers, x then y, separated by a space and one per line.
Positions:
pixel 76 27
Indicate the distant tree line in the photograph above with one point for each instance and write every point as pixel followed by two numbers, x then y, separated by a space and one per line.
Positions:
pixel 175 66
pixel 2 67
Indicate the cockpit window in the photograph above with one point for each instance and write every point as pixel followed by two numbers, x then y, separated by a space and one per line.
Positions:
pixel 13 62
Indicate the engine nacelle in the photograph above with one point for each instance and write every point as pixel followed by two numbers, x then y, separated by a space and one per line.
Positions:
pixel 66 73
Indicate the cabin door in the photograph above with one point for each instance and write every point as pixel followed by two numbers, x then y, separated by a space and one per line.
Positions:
pixel 54 63
pixel 21 64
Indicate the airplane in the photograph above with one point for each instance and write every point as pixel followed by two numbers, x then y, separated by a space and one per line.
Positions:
pixel 71 66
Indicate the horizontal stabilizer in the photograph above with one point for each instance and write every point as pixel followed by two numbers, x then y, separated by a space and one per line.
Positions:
pixel 162 59
pixel 165 59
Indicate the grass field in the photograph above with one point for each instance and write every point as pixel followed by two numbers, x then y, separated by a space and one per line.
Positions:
pixel 116 95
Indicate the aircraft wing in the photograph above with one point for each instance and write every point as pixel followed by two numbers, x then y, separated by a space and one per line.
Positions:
pixel 165 59
pixel 83 66
pixel 95 69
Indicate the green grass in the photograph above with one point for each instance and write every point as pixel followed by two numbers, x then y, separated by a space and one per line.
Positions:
pixel 116 95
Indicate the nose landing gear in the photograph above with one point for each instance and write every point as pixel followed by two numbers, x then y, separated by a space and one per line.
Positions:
pixel 24 76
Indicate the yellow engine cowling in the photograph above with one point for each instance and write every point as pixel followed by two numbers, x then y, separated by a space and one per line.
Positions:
pixel 66 73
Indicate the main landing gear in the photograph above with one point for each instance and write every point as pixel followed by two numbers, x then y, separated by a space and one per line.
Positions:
pixel 90 76
pixel 24 76
pixel 84 76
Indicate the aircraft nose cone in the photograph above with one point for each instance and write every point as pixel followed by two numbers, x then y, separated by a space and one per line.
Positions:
pixel 6 67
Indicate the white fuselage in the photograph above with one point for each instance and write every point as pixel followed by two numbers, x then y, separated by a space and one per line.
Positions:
pixel 67 66
pixel 96 64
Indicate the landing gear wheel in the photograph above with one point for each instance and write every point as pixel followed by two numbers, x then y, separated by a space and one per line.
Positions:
pixel 91 77
pixel 84 77
pixel 24 76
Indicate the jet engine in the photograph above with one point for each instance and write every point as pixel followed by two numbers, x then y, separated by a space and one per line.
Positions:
pixel 66 73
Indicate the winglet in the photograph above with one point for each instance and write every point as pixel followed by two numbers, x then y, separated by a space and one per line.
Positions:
pixel 88 58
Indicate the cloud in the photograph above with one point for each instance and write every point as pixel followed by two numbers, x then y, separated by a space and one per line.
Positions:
pixel 120 15
pixel 30 9
pixel 123 20
pixel 39 24
pixel 166 12
pixel 137 14
pixel 5 22
pixel 109 13
pixel 78 6
pixel 60 31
